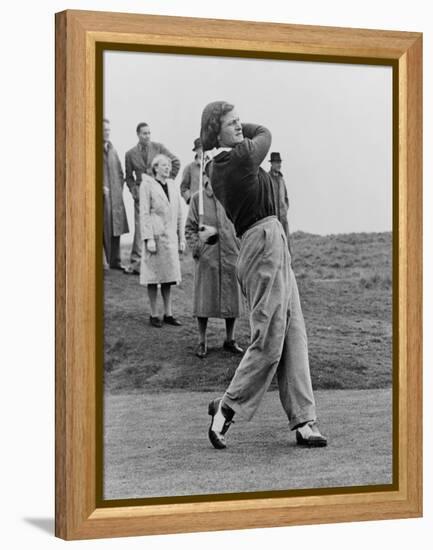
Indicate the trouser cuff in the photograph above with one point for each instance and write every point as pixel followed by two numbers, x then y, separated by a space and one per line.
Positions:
pixel 307 415
pixel 238 408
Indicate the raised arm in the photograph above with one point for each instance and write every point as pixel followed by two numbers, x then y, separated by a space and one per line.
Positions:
pixel 255 145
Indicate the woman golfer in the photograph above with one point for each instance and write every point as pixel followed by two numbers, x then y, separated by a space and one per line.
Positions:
pixel 278 337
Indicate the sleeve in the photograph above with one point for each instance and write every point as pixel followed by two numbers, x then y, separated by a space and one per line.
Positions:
pixel 255 145
pixel 145 202
pixel 175 162
pixel 119 168
pixel 185 186
pixel 284 207
pixel 129 172
pixel 283 214
pixel 191 228
pixel 286 196
pixel 180 219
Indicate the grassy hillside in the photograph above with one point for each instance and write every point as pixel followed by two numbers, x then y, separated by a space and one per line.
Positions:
pixel 345 283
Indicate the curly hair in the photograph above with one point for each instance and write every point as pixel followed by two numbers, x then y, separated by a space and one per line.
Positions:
pixel 157 160
pixel 211 123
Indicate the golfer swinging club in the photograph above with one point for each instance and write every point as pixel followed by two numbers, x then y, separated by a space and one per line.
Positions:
pixel 278 336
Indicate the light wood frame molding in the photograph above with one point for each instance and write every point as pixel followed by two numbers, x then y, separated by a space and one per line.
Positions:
pixel 78 33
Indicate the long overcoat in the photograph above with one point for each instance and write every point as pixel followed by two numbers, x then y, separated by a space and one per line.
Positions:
pixel 160 219
pixel 113 181
pixel 216 290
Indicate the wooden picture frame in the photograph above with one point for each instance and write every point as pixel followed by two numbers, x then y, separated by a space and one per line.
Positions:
pixel 79 36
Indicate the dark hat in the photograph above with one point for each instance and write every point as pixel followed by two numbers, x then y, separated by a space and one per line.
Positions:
pixel 275 157
pixel 197 144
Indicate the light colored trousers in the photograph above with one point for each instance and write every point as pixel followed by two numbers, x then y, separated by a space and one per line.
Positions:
pixel 278 335
pixel 137 244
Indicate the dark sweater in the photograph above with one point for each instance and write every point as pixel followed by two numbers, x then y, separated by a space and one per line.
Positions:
pixel 243 188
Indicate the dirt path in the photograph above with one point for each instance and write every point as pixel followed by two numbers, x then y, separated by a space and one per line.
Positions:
pixel 156 445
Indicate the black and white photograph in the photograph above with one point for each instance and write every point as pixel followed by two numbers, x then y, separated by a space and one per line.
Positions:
pixel 248 269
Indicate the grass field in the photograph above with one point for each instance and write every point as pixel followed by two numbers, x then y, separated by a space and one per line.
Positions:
pixel 346 292
pixel 157 390
pixel 156 445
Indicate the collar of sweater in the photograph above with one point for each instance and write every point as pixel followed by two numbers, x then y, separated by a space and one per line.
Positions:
pixel 216 151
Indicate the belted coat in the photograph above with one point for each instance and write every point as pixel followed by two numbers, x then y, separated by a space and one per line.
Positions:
pixel 160 219
pixel 216 290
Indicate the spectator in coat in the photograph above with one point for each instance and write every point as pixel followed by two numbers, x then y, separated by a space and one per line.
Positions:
pixel 281 192
pixel 115 221
pixel 138 161
pixel 216 290
pixel 162 231
pixel 191 173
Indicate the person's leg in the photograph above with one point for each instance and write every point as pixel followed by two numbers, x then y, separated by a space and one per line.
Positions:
pixel 166 298
pixel 115 252
pixel 263 271
pixel 230 343
pixel 202 326
pixel 104 260
pixel 202 344
pixel 294 379
pixel 152 293
pixel 107 228
pixel 168 315
pixel 137 243
pixel 230 329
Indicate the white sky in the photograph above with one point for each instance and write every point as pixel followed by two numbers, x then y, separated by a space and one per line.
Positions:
pixel 332 124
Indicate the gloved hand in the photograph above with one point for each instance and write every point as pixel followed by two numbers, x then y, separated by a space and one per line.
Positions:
pixel 151 246
pixel 208 234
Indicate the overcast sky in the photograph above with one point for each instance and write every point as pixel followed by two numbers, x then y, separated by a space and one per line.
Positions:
pixel 332 124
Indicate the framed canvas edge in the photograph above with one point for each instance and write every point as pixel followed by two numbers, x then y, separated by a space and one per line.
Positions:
pixel 77 515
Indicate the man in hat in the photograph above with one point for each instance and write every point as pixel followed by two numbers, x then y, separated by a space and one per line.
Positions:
pixel 191 174
pixel 138 161
pixel 115 221
pixel 281 192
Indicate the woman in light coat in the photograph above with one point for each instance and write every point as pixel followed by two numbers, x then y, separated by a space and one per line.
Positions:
pixel 216 290
pixel 162 231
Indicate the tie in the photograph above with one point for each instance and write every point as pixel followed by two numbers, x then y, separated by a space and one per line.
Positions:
pixel 144 152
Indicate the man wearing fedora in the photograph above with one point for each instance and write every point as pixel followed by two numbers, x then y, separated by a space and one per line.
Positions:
pixel 281 191
pixel 191 173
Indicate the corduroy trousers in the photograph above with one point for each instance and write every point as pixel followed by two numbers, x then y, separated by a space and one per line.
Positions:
pixel 278 335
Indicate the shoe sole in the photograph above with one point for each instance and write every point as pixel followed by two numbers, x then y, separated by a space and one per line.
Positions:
pixel 216 442
pixel 310 442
